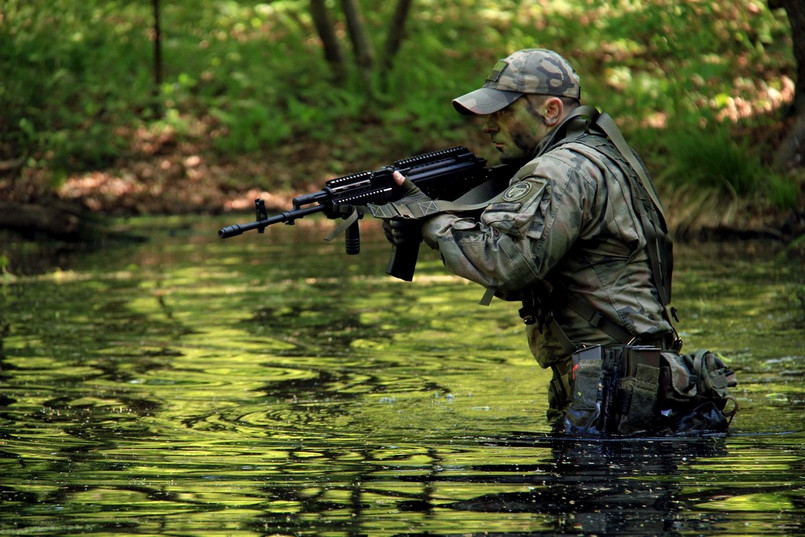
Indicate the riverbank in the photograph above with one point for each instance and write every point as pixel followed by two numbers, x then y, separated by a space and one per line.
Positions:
pixel 165 174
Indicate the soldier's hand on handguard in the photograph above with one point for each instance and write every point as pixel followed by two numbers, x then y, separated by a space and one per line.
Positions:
pixel 400 231
pixel 410 192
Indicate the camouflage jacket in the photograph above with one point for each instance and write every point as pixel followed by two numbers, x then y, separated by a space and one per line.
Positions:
pixel 567 219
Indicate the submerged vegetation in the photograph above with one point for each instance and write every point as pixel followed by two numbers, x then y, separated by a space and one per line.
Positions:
pixel 244 100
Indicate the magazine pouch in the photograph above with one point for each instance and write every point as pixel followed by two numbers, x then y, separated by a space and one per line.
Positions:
pixel 584 414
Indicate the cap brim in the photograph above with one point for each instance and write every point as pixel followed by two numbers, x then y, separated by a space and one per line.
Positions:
pixel 484 101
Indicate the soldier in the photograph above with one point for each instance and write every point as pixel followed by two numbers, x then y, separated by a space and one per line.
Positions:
pixel 567 237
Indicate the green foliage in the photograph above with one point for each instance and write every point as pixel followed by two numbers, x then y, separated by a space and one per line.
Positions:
pixel 78 75
pixel 713 158
pixel 68 80
pixel 782 192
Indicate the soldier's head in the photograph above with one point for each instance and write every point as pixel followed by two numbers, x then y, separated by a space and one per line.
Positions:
pixel 526 95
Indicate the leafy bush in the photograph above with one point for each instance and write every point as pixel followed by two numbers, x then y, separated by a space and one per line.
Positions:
pixel 69 79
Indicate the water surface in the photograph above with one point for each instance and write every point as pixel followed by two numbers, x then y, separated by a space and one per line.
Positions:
pixel 270 385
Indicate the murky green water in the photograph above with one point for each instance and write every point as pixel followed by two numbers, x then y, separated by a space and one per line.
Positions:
pixel 270 385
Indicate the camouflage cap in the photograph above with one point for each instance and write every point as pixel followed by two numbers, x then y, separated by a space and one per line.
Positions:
pixel 536 71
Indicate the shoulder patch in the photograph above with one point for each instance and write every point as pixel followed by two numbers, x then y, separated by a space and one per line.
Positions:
pixel 517 191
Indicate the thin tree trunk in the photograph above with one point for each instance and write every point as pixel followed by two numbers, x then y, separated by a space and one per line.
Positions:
pixel 157 57
pixel 791 152
pixel 394 39
pixel 324 27
pixel 795 9
pixel 364 55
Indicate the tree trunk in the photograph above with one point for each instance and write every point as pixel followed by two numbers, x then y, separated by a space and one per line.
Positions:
pixel 324 27
pixel 394 39
pixel 791 152
pixel 364 55
pixel 157 58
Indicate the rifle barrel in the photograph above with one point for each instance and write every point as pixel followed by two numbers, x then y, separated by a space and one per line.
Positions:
pixel 287 217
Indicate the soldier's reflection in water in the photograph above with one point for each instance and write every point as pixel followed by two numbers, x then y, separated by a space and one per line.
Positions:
pixel 585 486
pixel 604 486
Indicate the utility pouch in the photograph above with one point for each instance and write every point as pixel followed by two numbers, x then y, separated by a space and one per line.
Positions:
pixel 584 413
pixel 694 392
pixel 638 386
pixel 629 389
pixel 614 390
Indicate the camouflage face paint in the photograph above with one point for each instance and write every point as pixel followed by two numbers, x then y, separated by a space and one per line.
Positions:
pixel 514 132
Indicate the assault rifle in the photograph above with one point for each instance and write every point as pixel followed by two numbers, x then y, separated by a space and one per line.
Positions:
pixel 443 175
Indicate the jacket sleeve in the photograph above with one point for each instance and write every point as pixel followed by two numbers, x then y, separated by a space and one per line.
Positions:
pixel 523 232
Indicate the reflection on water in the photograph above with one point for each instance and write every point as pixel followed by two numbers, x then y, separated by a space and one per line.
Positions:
pixel 270 385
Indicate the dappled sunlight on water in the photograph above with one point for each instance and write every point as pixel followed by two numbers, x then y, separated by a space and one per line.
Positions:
pixel 269 384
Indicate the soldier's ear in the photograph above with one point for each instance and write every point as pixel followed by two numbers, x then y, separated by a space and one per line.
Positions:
pixel 553 109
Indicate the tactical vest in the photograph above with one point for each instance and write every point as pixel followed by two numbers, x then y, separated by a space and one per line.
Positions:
pixel 599 133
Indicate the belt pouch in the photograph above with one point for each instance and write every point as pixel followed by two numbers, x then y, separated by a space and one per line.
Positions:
pixel 638 389
pixel 584 413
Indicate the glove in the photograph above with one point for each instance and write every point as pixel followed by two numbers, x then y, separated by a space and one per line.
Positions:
pixel 401 225
pixel 402 232
pixel 410 193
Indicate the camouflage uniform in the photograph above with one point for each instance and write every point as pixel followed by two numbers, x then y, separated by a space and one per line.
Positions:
pixel 567 219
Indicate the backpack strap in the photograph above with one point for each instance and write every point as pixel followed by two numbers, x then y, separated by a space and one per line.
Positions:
pixel 655 228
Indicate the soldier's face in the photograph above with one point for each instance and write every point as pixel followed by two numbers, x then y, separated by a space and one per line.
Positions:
pixel 515 131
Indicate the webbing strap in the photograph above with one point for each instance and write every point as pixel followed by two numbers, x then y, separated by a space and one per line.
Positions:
pixel 568 129
pixel 598 320
pixel 609 127
pixel 342 227
pixel 421 209
pixel 584 310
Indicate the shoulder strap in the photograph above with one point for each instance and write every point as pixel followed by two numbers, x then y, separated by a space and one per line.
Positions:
pixel 655 227
pixel 609 127
pixel 570 128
